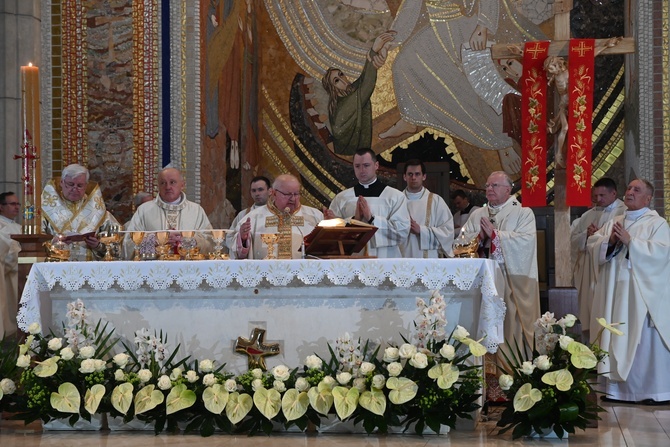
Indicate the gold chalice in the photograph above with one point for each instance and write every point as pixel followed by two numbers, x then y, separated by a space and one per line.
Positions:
pixel 218 236
pixel 137 237
pixel 270 239
pixel 162 237
pixel 187 245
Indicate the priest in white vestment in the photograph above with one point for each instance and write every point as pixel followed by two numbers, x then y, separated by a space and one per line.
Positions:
pixel 632 257
pixel 375 203
pixel 283 218
pixel 260 189
pixel 607 206
pixel 172 212
pixel 507 233
pixel 73 205
pixel 9 262
pixel 431 233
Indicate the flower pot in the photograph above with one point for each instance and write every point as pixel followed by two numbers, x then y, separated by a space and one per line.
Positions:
pixel 117 424
pixel 332 424
pixel 80 425
pixel 548 433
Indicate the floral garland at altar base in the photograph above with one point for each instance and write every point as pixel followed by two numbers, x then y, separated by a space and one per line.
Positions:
pixel 425 384
pixel 548 387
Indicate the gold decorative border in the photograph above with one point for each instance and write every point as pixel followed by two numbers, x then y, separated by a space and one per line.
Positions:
pixel 145 94
pixel 74 83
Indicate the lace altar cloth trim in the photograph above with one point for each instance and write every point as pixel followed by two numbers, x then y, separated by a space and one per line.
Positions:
pixel 431 274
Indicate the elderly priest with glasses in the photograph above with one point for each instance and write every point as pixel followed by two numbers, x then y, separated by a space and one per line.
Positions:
pixel 277 229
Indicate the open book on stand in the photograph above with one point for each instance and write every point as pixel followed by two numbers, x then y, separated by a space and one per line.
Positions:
pixel 338 238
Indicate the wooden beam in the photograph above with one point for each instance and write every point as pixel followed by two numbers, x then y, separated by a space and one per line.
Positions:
pixel 560 48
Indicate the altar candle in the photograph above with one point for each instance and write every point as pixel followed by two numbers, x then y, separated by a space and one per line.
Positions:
pixel 30 102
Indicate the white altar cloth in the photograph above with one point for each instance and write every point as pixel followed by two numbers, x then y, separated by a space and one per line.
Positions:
pixel 303 304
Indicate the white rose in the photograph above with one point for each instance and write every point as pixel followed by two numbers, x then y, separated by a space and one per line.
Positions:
pixel 257 373
pixel 121 360
pixel 301 384
pixel 192 376
pixel 87 366
pixel 407 351
pixel 542 362
pixel 378 381
pixel 209 379
pixel 527 368
pixel 569 320
pixel 419 360
pixel 343 377
pixel 87 352
pixel 230 385
pixel 391 354
pixel 176 373
pixel 359 383
pixel 279 386
pixel 55 344
pixel 329 382
pixel 564 341
pixel 100 365
pixel 34 328
pixel 8 386
pixel 448 352
pixel 281 372
pixel 505 381
pixel 144 375
pixel 119 375
pixel 460 333
pixel 313 362
pixel 164 382
pixel 66 353
pixel 23 361
pixel 206 365
pixel 256 384
pixel 366 368
pixel 394 369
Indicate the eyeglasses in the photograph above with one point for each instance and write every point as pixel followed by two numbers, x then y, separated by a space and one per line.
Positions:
pixel 12 203
pixel 494 185
pixel 72 185
pixel 288 194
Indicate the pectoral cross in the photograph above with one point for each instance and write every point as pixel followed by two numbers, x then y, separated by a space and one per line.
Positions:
pixel 256 348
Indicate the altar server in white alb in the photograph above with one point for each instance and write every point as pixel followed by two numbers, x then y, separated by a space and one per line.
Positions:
pixel 431 232
pixel 72 204
pixel 632 257
pixel 9 262
pixel 607 206
pixel 375 203
pixel 260 189
pixel 170 211
pixel 508 235
pixel 282 216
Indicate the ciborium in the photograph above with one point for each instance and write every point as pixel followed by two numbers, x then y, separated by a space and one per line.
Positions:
pixel 270 239
pixel 187 247
pixel 466 248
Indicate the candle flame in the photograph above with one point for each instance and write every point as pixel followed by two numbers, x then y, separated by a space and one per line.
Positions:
pixel 30 64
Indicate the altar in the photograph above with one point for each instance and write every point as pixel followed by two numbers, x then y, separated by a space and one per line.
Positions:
pixel 303 305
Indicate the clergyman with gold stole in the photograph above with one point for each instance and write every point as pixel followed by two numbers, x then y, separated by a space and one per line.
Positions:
pixel 277 229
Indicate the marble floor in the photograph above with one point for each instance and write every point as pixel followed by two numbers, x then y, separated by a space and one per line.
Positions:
pixel 622 425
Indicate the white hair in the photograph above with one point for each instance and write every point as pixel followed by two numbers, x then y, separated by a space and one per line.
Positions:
pixel 74 170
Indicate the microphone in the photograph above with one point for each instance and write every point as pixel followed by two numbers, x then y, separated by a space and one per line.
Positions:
pixel 287 210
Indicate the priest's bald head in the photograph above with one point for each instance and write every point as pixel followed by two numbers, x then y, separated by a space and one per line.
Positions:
pixel 286 193
pixel 498 188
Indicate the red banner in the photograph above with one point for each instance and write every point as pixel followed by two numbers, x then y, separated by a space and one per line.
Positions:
pixel 534 125
pixel 580 113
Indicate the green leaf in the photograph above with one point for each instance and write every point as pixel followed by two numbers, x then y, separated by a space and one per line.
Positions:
pixel 67 399
pixel 402 389
pixel 122 397
pixel 179 398
pixel 47 368
pixel 147 399
pixel 268 402
pixel 321 399
pixel 294 404
pixel 568 412
pixel 373 401
pixel 561 379
pixel 445 373
pixel 346 401
pixel 239 405
pixel 93 398
pixel 526 397
pixel 215 398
